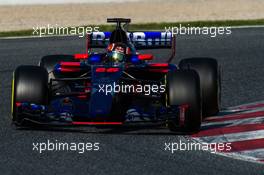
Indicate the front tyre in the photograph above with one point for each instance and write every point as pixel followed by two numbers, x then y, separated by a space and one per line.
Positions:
pixel 183 88
pixel 30 84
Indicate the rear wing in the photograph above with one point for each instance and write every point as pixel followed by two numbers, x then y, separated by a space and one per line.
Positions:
pixel 141 40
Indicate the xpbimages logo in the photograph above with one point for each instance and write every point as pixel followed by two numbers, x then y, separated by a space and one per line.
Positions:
pixel 189 30
pixel 55 146
pixel 59 30
pixel 194 146
pixel 146 89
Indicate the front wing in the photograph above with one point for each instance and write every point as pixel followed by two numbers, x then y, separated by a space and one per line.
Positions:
pixel 42 115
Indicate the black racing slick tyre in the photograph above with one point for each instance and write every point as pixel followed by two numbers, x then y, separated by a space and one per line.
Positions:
pixel 209 74
pixel 50 61
pixel 183 88
pixel 30 84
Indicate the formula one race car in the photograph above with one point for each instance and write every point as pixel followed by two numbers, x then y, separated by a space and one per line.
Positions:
pixel 118 86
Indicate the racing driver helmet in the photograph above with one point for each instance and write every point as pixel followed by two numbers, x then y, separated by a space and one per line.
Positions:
pixel 116 52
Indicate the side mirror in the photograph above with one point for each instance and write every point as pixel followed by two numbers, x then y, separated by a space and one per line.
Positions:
pixel 80 56
pixel 145 57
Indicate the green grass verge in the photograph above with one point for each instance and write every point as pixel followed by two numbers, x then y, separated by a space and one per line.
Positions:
pixel 157 26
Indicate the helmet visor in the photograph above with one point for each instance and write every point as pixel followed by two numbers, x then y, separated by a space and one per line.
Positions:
pixel 117 56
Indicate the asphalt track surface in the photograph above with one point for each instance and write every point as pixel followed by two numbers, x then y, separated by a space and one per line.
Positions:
pixel 140 151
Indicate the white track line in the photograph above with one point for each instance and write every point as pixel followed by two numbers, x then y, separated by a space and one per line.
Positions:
pixel 235 122
pixel 225 113
pixel 234 137
pixel 257 153
pixel 234 155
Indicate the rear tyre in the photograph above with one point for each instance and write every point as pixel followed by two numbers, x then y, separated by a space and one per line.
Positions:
pixel 50 61
pixel 209 75
pixel 30 84
pixel 183 88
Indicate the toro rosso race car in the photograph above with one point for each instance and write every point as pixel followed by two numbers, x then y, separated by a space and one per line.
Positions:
pixel 118 86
